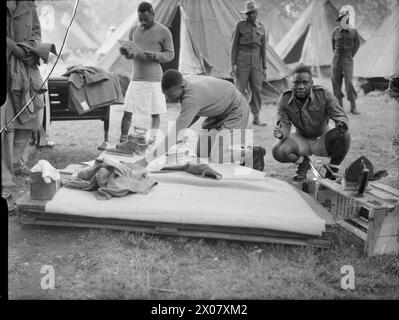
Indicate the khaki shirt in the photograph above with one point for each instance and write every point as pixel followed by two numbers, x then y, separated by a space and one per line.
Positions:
pixel 345 41
pixel 311 118
pixel 248 35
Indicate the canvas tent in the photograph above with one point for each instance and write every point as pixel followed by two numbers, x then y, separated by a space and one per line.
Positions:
pixel 276 24
pixel 379 56
pixel 377 62
pixel 54 25
pixel 309 39
pixel 202 35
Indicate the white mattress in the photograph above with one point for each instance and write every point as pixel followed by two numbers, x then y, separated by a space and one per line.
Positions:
pixel 243 198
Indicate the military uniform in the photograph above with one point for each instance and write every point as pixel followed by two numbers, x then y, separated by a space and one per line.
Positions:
pixel 248 53
pixel 310 118
pixel 345 43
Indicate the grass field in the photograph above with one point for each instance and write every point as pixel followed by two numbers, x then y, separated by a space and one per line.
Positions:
pixel 104 264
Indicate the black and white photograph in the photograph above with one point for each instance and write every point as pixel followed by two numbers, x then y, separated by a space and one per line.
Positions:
pixel 199 155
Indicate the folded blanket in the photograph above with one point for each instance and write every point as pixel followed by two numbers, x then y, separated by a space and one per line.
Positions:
pixel 112 179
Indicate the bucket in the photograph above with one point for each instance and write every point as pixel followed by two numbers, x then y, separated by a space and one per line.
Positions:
pixel 39 189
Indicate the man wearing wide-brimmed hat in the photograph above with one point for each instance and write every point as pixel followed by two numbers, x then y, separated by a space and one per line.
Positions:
pixel 248 57
pixel 345 41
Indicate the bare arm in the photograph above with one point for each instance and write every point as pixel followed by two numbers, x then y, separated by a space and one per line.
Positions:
pixel 356 43
pixel 283 118
pixel 168 51
pixel 263 49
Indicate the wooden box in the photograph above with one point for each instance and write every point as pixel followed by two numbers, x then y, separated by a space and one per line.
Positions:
pixel 39 189
pixel 373 216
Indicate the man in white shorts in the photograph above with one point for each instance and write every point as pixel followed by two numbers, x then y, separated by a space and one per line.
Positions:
pixel 309 108
pixel 144 95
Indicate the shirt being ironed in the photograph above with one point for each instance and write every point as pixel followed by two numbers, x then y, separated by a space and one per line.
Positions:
pixel 310 118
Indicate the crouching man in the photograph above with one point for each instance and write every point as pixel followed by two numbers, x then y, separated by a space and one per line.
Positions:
pixel 200 96
pixel 309 108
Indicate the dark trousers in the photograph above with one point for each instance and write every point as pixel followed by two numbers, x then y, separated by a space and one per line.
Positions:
pixel 342 68
pixel 249 72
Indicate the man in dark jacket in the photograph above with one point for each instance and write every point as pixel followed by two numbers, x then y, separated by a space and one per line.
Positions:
pixel 248 58
pixel 22 26
pixel 345 43
pixel 309 108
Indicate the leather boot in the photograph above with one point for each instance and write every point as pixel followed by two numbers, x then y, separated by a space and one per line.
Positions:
pixel 353 108
pixel 302 170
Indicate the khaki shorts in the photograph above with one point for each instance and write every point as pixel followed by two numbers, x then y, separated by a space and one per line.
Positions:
pixel 307 147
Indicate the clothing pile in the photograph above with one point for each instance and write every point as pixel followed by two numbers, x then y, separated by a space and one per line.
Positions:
pixel 92 88
pixel 112 179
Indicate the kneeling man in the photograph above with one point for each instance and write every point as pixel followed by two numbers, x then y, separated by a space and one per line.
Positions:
pixel 201 96
pixel 309 108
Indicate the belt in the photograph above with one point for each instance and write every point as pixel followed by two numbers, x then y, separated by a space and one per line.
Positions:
pixel 249 46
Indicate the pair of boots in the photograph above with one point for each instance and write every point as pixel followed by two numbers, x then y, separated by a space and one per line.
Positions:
pixel 354 109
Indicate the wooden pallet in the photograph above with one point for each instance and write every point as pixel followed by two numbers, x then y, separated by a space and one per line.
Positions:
pixel 374 217
pixel 32 212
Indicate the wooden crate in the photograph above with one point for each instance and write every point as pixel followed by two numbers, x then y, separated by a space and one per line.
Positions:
pixel 374 216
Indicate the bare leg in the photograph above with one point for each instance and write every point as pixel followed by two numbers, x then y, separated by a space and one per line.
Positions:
pixel 125 125
pixel 337 145
pixel 155 121
pixel 286 151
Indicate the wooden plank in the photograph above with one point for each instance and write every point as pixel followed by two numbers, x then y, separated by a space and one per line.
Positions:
pixel 383 187
pixel 390 225
pixel 366 201
pixel 26 203
pixel 361 222
pixel 186 233
pixel 361 234
pixel 168 226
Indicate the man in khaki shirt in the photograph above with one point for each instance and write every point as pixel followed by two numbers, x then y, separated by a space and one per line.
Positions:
pixel 309 108
pixel 200 96
pixel 248 58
